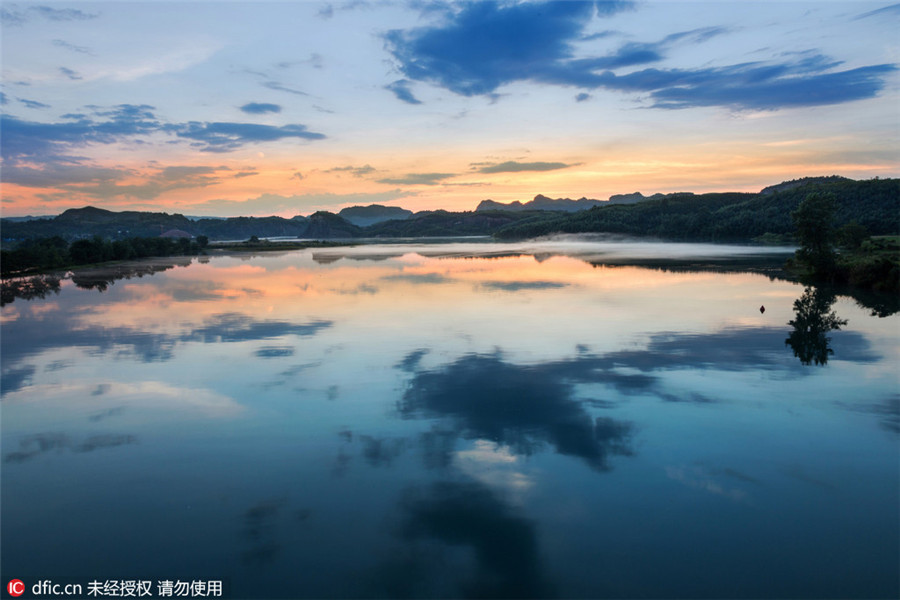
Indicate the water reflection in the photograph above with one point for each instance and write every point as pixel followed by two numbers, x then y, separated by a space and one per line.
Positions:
pixel 34 445
pixel 522 408
pixel 39 286
pixel 29 288
pixel 449 427
pixel 60 329
pixel 812 321
pixel 469 515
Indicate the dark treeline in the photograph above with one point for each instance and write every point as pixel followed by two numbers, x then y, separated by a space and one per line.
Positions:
pixel 873 205
pixel 55 253
pixel 843 255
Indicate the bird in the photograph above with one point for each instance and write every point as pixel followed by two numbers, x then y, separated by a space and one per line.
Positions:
pixel 762 309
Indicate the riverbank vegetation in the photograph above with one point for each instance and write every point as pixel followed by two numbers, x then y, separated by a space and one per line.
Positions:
pixel 45 254
pixel 845 255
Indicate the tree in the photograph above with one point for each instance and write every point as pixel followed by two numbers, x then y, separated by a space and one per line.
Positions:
pixel 852 235
pixel 814 224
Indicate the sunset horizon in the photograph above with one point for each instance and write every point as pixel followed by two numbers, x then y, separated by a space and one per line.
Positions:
pixel 230 109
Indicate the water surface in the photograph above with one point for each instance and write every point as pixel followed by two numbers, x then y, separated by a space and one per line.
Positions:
pixel 571 418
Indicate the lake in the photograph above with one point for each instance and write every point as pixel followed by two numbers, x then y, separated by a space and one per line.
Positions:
pixel 577 418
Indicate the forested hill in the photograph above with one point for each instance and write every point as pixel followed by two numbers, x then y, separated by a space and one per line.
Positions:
pixel 874 204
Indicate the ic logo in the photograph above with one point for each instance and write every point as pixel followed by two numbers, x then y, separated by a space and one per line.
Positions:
pixel 15 587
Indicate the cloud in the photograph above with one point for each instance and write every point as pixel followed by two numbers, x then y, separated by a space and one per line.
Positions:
pixel 224 136
pixel 516 167
pixel 756 87
pixel 62 14
pixel 582 97
pixel 355 171
pixel 32 103
pixel 41 141
pixel 260 108
pixel 486 45
pixel 12 15
pixel 105 182
pixel 73 47
pixel 887 11
pixel 30 140
pixel 70 74
pixel 402 91
pixel 279 87
pixel 418 179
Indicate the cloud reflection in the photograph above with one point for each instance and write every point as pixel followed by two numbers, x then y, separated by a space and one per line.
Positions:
pixel 57 329
pixel 469 515
pixel 519 407
pixel 34 445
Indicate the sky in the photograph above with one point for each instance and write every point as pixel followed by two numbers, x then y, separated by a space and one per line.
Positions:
pixel 226 108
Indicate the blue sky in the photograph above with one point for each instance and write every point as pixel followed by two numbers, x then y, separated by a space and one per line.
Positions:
pixel 228 108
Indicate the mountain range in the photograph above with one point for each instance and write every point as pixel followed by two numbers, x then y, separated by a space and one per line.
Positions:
pixel 875 204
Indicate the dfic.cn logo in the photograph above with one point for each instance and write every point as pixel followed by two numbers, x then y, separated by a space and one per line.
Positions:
pixel 15 587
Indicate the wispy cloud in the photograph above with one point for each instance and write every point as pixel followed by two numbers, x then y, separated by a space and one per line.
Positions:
pixel 355 171
pixel 280 87
pixel 400 88
pixel 33 103
pixel 62 14
pixel 418 179
pixel 87 181
pixel 70 74
pixel 224 136
pixel 50 141
pixel 73 47
pixel 13 15
pixel 515 167
pixel 888 11
pixel 260 108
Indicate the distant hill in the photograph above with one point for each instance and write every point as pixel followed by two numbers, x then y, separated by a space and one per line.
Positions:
pixel 631 198
pixel 731 216
pixel 89 221
pixel 26 218
pixel 439 223
pixel 795 183
pixel 363 216
pixel 541 202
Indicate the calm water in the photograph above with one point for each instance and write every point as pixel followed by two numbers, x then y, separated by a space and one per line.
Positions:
pixel 453 420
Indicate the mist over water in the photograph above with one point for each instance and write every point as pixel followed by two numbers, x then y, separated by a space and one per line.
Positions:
pixel 569 417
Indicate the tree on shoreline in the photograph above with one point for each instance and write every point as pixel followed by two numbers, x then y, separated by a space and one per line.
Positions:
pixel 814 222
